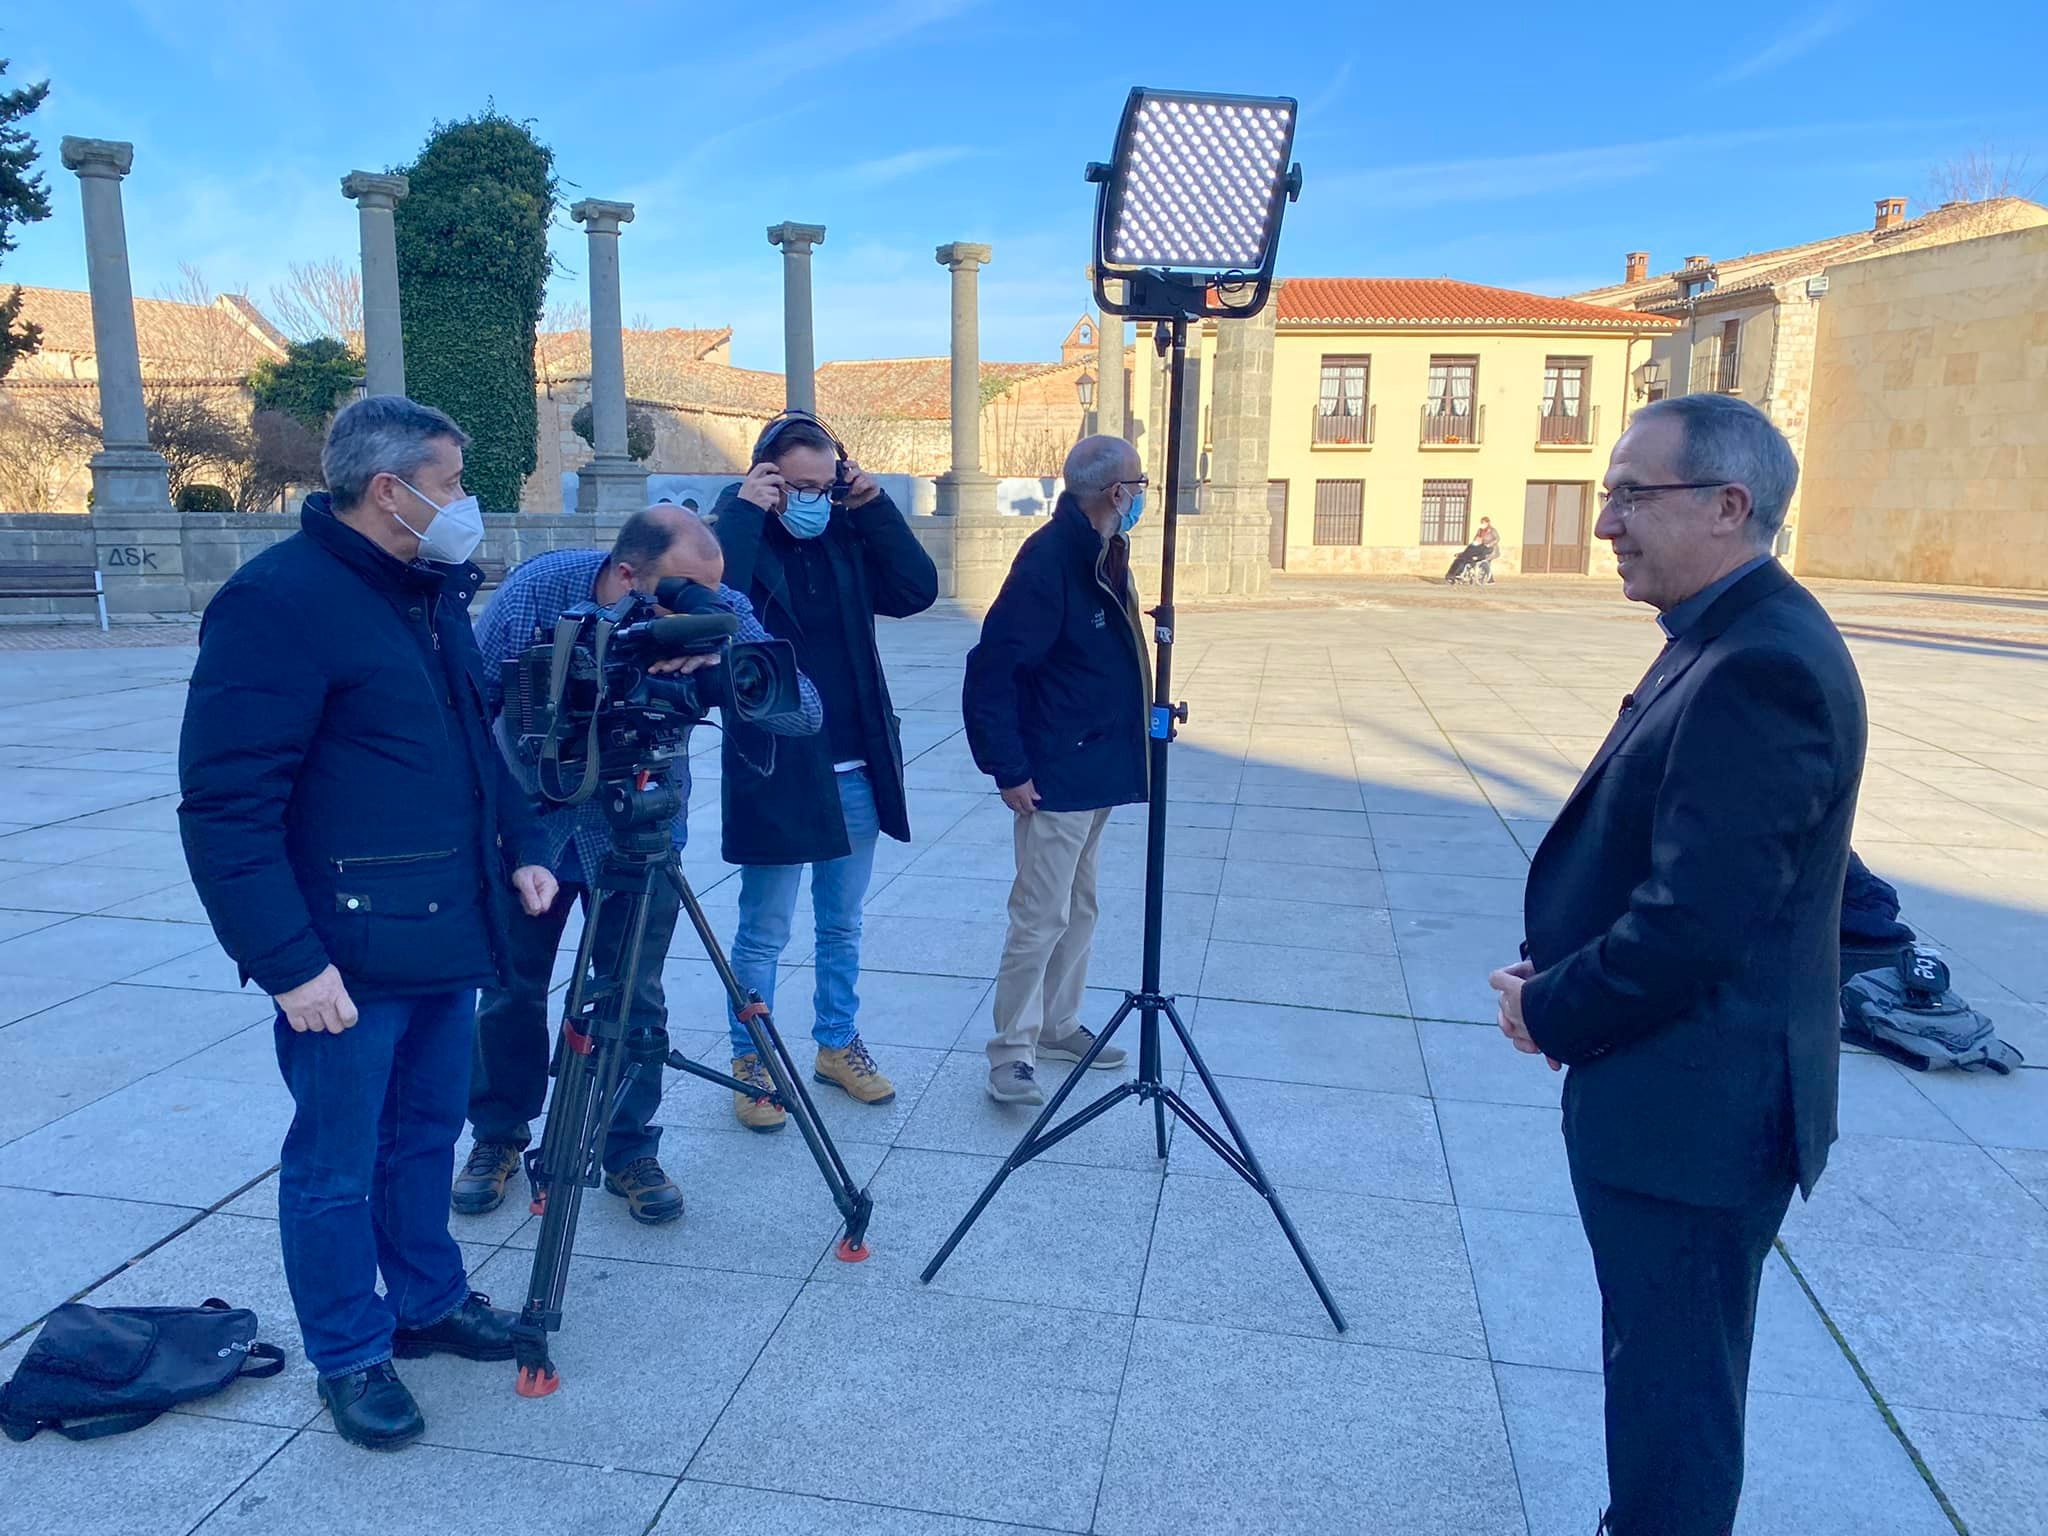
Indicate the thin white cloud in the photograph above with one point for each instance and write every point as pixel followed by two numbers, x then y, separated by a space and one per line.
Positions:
pixel 830 45
pixel 1505 178
pixel 1782 50
pixel 912 162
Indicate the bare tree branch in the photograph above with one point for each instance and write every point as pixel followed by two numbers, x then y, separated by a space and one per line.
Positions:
pixel 321 298
pixel 1982 173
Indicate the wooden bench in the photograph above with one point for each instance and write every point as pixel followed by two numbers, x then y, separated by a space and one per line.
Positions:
pixel 34 578
pixel 494 573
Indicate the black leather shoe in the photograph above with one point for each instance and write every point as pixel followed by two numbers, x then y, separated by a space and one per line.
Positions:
pixel 651 1196
pixel 372 1408
pixel 476 1330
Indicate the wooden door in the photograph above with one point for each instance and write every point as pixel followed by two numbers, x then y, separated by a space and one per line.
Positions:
pixel 1536 529
pixel 1276 508
pixel 1554 528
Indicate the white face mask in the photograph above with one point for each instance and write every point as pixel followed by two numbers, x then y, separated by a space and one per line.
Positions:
pixel 455 532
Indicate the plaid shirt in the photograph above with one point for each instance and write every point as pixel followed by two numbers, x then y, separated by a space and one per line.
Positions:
pixel 535 595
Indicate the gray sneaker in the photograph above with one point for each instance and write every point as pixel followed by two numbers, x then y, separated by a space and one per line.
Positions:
pixel 1073 1047
pixel 1014 1083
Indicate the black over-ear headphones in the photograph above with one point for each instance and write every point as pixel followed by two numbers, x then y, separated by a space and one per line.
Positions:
pixel 764 446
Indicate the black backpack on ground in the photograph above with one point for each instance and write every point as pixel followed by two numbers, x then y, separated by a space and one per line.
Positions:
pixel 1909 1014
pixel 96 1371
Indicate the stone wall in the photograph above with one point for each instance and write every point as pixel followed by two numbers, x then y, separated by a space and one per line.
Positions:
pixel 1927 452
pixel 49 538
pixel 177 562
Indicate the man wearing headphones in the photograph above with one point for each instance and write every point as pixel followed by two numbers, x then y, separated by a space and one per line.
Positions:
pixel 819 550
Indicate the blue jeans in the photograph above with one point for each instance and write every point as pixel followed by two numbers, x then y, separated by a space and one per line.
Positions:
pixel 362 1184
pixel 838 887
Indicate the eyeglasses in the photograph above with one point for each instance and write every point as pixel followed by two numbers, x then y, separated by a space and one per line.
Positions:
pixel 1141 480
pixel 1624 499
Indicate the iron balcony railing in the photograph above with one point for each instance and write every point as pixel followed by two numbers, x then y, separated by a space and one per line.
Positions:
pixel 1353 429
pixel 1451 429
pixel 1560 430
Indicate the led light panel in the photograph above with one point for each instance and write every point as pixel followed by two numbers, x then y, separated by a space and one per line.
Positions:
pixel 1197 181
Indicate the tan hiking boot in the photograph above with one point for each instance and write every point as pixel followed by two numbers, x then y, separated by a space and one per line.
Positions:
pixel 852 1068
pixel 756 1113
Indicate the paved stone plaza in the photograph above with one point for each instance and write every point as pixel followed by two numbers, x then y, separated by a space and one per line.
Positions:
pixel 1116 1347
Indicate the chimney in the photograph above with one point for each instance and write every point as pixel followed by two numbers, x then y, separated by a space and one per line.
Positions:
pixel 1695 263
pixel 1891 213
pixel 1638 266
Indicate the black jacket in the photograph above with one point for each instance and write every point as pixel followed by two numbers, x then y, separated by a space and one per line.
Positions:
pixel 343 800
pixel 791 815
pixel 1684 911
pixel 1056 692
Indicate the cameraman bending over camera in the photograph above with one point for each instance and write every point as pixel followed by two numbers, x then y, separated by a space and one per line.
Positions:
pixel 812 540
pixel 509 1082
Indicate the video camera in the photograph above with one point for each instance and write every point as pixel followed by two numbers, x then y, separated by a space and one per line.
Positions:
pixel 584 703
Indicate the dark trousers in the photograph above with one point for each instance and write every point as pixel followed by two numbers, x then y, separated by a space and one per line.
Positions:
pixel 362 1182
pixel 509 1082
pixel 1678 1288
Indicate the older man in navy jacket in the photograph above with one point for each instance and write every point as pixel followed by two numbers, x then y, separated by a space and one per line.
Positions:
pixel 357 842
pixel 1055 702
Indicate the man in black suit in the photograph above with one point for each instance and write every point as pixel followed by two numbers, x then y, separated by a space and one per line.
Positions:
pixel 1683 923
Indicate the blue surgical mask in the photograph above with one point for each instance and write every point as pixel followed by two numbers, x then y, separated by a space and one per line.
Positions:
pixel 1131 514
pixel 806 513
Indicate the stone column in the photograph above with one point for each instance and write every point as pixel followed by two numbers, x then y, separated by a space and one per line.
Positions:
pixel 140 550
pixel 376 199
pixel 611 482
pixel 1109 372
pixel 964 490
pixel 1152 369
pixel 799 345
pixel 1241 421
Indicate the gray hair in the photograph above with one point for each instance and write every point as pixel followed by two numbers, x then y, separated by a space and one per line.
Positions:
pixel 1731 442
pixel 381 435
pixel 1095 464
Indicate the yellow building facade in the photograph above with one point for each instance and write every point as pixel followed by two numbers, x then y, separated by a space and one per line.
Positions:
pixel 1406 410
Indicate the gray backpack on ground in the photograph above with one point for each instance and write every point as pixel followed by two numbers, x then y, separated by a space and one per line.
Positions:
pixel 1909 1014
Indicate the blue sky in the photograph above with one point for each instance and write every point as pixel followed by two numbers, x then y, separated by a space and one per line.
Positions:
pixel 1527 144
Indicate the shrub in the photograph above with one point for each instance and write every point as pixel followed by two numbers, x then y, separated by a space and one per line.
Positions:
pixel 309 382
pixel 639 431
pixel 472 264
pixel 201 497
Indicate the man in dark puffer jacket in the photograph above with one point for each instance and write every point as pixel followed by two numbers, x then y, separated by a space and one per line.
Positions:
pixel 357 841
pixel 1055 703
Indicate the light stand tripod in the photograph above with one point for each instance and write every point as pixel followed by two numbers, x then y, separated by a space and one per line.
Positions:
pixel 1150 1002
pixel 601 1055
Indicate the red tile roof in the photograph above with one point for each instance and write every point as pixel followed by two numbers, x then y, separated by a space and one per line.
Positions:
pixel 1766 269
pixel 223 339
pixel 1439 301
pixel 909 388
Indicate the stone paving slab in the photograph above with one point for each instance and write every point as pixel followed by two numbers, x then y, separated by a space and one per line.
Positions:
pixel 716 1509
pixel 1397 1267
pixel 1224 1432
pixel 940 1394
pixel 1817 1468
pixel 1990 1353
pixel 1534 1276
pixel 318 1479
pixel 168 1478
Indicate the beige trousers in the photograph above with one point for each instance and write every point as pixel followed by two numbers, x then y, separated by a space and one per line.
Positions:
pixel 1052 926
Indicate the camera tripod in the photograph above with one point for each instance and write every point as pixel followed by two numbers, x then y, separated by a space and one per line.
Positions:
pixel 1150 1003
pixel 601 1055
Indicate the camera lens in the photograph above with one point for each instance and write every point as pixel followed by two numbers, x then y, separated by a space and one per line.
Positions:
pixel 752 682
